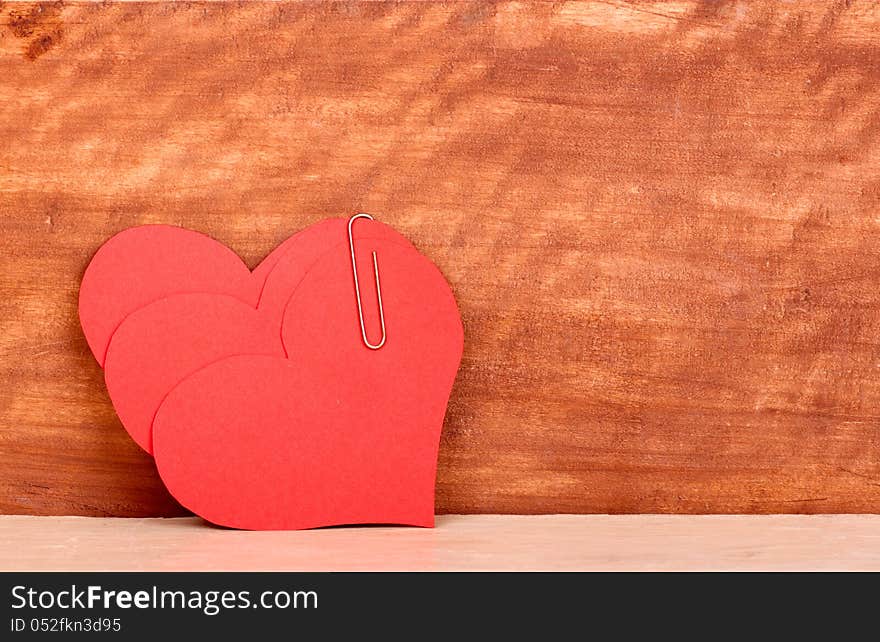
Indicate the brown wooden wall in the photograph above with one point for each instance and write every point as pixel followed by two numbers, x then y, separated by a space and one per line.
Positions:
pixel 661 222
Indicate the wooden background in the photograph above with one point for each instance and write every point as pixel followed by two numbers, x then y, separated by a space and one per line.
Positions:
pixel 661 222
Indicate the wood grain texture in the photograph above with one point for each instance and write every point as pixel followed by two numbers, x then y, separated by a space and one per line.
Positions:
pixel 661 222
pixel 458 543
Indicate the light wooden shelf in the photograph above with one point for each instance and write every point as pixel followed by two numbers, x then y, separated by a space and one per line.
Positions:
pixel 470 543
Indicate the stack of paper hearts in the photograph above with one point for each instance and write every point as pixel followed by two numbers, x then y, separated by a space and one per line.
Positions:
pixel 309 392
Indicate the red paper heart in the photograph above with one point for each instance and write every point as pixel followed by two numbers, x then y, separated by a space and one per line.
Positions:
pixel 338 433
pixel 160 344
pixel 143 264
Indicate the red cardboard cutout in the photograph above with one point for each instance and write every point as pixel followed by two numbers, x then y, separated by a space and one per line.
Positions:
pixel 160 344
pixel 338 433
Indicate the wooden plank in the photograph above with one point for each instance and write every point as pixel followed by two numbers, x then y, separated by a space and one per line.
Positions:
pixel 660 221
pixel 459 543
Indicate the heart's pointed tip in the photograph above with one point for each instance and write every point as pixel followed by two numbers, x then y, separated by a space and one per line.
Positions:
pixel 145 443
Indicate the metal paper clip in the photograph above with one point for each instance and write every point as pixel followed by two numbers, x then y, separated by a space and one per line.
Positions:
pixel 357 288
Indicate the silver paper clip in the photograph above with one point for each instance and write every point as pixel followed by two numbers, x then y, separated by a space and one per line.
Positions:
pixel 357 288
